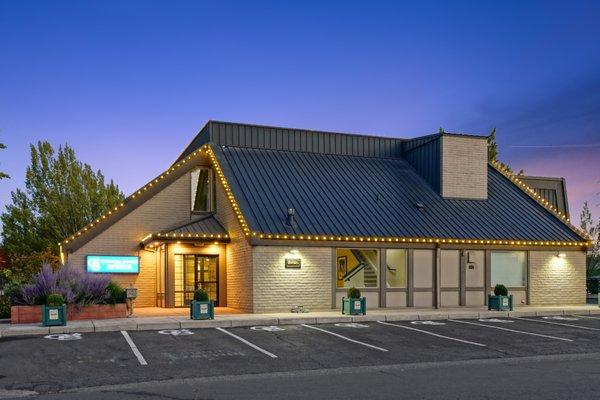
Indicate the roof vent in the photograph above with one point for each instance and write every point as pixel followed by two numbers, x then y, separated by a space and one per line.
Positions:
pixel 421 207
pixel 291 217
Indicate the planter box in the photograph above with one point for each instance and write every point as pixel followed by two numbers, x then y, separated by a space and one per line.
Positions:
pixel 354 306
pixel 54 315
pixel 500 303
pixel 202 309
pixel 33 314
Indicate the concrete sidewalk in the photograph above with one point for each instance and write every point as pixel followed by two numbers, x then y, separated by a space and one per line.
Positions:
pixel 317 317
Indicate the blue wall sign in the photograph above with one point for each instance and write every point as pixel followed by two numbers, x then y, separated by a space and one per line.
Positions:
pixel 113 264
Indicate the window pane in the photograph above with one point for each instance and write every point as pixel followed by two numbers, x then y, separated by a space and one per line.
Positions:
pixel 395 274
pixel 508 268
pixel 201 190
pixel 178 280
pixel 358 268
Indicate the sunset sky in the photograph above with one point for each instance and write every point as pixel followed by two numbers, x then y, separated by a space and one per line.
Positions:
pixel 128 84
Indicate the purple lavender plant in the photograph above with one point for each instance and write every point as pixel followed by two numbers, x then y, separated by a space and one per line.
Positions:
pixel 72 283
pixel 44 283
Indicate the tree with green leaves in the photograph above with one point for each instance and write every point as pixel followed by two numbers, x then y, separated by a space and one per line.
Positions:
pixel 593 229
pixel 492 146
pixel 493 152
pixel 2 174
pixel 61 196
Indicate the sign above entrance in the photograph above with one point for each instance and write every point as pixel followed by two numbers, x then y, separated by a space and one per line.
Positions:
pixel 113 264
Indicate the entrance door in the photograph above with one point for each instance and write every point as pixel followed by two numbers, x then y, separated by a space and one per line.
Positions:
pixel 196 272
pixel 207 276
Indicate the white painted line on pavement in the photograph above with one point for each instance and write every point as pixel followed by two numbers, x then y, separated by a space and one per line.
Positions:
pixel 134 348
pixel 587 316
pixel 511 330
pixel 255 347
pixel 345 338
pixel 433 334
pixel 558 323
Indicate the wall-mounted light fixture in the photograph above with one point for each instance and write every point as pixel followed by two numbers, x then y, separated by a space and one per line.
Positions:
pixel 561 254
pixel 294 251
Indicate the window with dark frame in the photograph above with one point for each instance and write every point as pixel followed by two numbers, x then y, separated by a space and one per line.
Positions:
pixel 202 190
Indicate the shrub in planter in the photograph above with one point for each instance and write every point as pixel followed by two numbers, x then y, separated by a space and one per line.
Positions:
pixel 353 304
pixel 54 312
pixel 500 301
pixel 201 307
pixel 116 293
pixel 500 290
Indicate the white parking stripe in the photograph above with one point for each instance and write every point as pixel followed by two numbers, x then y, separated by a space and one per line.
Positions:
pixel 433 334
pixel 134 348
pixel 558 323
pixel 512 330
pixel 241 339
pixel 587 316
pixel 345 338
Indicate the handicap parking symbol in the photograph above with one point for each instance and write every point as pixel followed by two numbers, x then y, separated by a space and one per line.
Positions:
pixel 270 328
pixel 560 318
pixel 496 320
pixel 351 325
pixel 64 336
pixel 427 323
pixel 176 332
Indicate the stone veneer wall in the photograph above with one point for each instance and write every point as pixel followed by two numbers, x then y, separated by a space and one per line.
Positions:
pixel 555 280
pixel 464 167
pixel 169 207
pixel 278 289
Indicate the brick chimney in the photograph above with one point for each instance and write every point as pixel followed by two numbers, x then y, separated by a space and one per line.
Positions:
pixel 464 167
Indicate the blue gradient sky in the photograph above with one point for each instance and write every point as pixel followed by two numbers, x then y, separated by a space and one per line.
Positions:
pixel 128 84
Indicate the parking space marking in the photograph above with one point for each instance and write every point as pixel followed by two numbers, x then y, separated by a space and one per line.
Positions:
pixel 241 339
pixel 345 338
pixel 558 323
pixel 587 316
pixel 512 330
pixel 64 336
pixel 434 334
pixel 351 325
pixel 270 328
pixel 134 348
pixel 176 332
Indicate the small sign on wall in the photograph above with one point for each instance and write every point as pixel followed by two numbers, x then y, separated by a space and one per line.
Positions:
pixel 293 263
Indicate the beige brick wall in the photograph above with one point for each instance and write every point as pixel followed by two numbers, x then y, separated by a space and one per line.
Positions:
pixel 555 280
pixel 168 208
pixel 278 289
pixel 464 167
pixel 238 256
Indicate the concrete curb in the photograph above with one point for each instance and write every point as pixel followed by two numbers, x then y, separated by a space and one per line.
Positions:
pixel 230 321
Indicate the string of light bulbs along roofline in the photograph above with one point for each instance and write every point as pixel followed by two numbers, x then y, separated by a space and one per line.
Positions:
pixel 207 150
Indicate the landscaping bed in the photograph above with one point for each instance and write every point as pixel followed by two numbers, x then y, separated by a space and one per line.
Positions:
pixel 33 314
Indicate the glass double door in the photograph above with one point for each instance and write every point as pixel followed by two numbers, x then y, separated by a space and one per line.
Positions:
pixel 197 272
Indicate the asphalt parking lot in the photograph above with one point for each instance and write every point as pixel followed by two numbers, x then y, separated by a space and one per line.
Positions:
pixel 65 362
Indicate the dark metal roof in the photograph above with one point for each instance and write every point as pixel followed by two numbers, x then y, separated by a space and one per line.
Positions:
pixel 206 225
pixel 346 195
pixel 278 138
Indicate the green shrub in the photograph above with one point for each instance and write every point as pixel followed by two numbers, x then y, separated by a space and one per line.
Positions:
pixel 12 291
pixel 500 290
pixel 55 300
pixel 4 307
pixel 200 295
pixel 116 293
pixel 353 293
